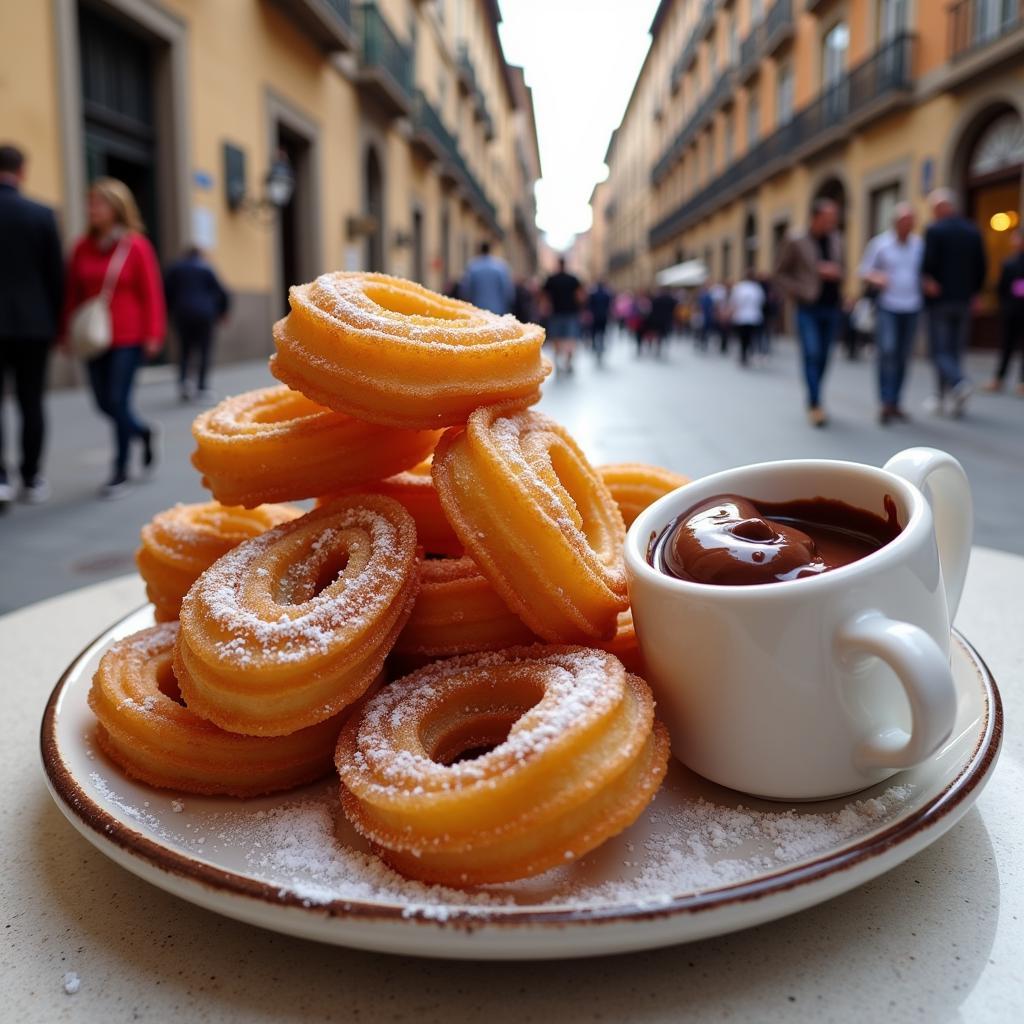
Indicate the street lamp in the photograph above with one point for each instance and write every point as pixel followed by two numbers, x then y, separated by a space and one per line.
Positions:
pixel 280 182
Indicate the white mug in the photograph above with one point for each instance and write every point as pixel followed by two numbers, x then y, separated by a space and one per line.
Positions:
pixel 820 686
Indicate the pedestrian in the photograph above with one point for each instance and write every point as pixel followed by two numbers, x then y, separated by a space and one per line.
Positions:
pixel 196 301
pixel 565 297
pixel 487 282
pixel 746 306
pixel 116 243
pixel 524 308
pixel 770 315
pixel 31 288
pixel 720 304
pixel 706 314
pixel 892 267
pixel 662 319
pixel 1011 307
pixel 599 304
pixel 810 273
pixel 954 268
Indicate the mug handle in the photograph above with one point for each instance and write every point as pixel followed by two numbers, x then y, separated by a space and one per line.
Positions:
pixel 923 669
pixel 944 484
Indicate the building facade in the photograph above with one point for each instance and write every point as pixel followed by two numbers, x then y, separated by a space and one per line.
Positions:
pixel 745 111
pixel 407 136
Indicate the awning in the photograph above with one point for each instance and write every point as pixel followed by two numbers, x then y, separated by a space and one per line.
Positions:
pixel 683 275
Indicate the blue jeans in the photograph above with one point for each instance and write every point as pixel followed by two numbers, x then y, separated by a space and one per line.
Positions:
pixel 948 329
pixel 894 339
pixel 111 376
pixel 817 327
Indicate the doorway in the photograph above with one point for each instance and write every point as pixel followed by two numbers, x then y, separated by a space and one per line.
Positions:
pixel 418 269
pixel 992 184
pixel 295 150
pixel 118 110
pixel 373 199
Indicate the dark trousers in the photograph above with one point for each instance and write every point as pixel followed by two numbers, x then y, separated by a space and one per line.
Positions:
pixel 949 327
pixel 746 333
pixel 1013 341
pixel 597 333
pixel 196 340
pixel 24 360
pixel 817 326
pixel 894 340
pixel 112 376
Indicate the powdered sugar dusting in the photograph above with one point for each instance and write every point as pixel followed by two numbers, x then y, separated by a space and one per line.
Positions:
pixel 691 840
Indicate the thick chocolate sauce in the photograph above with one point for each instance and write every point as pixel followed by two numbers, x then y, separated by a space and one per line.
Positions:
pixel 735 541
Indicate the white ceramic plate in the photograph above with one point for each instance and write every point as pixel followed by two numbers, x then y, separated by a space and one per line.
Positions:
pixel 701 861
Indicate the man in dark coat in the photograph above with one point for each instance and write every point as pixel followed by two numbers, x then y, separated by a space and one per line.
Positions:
pixel 31 295
pixel 196 300
pixel 952 273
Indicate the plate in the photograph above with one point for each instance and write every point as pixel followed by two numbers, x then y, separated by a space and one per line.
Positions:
pixel 701 861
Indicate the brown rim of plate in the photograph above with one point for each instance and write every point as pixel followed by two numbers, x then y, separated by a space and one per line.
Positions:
pixel 111 830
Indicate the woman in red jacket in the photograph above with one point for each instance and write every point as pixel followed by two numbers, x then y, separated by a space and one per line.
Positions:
pixel 136 314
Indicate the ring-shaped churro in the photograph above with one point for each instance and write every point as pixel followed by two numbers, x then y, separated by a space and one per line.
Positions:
pixel 393 352
pixel 149 733
pixel 178 544
pixel 275 444
pixel 291 627
pixel 457 611
pixel 414 490
pixel 537 520
pixel 493 767
pixel 635 485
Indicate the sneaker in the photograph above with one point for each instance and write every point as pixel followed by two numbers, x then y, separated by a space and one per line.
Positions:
pixel 6 493
pixel 816 416
pixel 116 487
pixel 961 392
pixel 992 387
pixel 1020 390
pixel 935 404
pixel 35 493
pixel 885 416
pixel 898 414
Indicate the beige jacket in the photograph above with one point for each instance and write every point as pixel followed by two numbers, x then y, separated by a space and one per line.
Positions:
pixel 796 273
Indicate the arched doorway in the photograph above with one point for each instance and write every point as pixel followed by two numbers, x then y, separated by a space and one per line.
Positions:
pixel 373 197
pixel 992 184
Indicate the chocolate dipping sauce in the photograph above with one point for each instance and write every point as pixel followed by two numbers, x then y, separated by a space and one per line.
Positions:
pixel 733 541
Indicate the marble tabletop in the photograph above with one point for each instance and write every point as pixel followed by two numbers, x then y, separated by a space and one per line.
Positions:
pixel 940 938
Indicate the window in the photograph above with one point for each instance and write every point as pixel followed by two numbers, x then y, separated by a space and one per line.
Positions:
pixel 753 119
pixel 756 12
pixel 992 18
pixel 734 43
pixel 892 19
pixel 833 57
pixel 726 261
pixel 728 138
pixel 881 202
pixel 784 95
pixel 712 57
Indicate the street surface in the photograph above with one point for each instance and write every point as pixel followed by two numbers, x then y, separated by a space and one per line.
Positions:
pixel 690 412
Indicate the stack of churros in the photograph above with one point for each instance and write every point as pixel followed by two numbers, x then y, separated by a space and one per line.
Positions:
pixel 449 625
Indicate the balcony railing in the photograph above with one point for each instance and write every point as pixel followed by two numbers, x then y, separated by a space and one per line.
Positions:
pixel 882 77
pixel 467 73
pixel 430 132
pixel 720 91
pixel 327 22
pixel 386 60
pixel 976 23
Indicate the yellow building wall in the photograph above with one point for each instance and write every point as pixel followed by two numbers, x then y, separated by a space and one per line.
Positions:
pixel 28 88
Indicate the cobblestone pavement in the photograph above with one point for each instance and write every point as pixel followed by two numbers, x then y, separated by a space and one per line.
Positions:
pixel 691 412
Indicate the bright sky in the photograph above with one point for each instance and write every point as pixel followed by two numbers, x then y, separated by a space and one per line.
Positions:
pixel 581 59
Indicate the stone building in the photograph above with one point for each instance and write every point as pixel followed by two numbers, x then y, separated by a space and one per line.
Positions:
pixel 747 110
pixel 401 132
